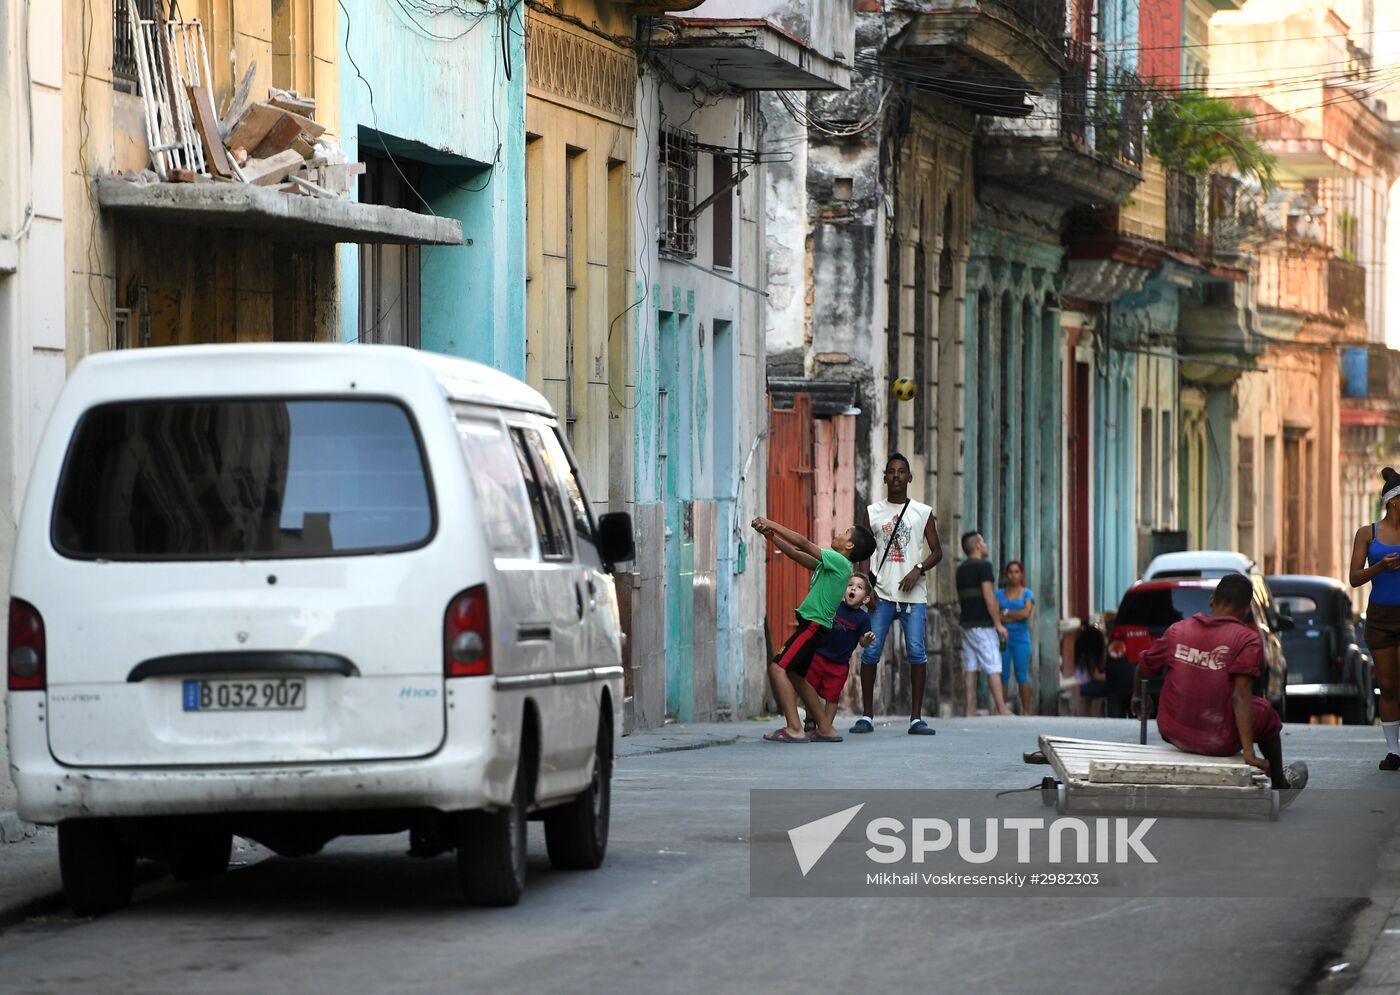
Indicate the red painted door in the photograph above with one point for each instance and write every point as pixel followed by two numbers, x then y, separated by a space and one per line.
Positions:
pixel 790 504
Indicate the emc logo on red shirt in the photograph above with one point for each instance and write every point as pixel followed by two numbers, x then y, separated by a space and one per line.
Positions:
pixel 1205 659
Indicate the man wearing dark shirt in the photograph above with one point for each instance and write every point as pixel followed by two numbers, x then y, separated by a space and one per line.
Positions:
pixel 980 619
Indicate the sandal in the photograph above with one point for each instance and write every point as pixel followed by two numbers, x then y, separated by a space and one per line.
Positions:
pixel 863 725
pixel 783 736
pixel 921 728
pixel 809 726
pixel 817 737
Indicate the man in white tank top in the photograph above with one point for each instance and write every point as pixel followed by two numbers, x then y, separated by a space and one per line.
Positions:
pixel 906 549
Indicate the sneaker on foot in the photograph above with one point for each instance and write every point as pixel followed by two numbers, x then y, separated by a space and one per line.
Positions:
pixel 1391 762
pixel 1296 774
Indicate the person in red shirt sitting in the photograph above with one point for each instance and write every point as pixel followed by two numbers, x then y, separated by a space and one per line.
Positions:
pixel 1208 705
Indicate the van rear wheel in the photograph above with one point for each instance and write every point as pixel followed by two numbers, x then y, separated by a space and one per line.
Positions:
pixel 196 852
pixel 98 867
pixel 576 834
pixel 491 849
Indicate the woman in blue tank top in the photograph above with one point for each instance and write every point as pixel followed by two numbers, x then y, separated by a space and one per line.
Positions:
pixel 1375 559
pixel 1017 604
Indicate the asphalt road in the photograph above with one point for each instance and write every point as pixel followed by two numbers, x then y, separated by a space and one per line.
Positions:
pixel 670 909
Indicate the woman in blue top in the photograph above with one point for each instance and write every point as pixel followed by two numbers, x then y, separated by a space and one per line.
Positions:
pixel 1375 558
pixel 1017 603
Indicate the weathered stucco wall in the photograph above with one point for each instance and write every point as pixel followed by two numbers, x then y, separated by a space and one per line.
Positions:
pixel 457 108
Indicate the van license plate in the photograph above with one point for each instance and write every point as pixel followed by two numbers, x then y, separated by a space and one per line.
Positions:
pixel 280 695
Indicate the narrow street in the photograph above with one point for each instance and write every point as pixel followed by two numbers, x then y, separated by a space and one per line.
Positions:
pixel 360 917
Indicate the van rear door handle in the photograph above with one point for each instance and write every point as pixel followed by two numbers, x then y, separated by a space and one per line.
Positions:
pixel 534 633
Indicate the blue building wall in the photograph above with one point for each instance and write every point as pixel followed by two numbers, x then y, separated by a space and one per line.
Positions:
pixel 457 108
pixel 1013 410
pixel 1115 468
pixel 1118 30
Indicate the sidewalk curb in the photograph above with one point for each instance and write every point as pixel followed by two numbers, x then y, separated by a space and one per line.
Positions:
pixel 1365 941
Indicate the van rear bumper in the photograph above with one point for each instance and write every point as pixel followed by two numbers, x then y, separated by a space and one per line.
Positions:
pixel 470 772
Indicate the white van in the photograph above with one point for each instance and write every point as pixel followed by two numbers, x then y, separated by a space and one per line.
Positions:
pixel 298 591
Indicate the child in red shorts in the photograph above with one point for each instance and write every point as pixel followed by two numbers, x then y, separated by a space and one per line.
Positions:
pixel 832 663
pixel 1208 705
pixel 831 571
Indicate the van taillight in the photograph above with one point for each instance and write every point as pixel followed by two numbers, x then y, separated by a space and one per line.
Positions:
pixel 26 650
pixel 466 636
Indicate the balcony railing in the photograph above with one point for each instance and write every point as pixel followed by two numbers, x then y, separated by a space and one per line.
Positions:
pixel 1074 94
pixel 1346 288
pixel 123 47
pixel 1183 212
pixel 1109 124
pixel 1130 108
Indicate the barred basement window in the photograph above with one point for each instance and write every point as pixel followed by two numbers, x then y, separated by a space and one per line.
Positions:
pixel 678 192
pixel 123 45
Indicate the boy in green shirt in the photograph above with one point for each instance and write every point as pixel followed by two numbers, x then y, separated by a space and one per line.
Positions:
pixel 831 569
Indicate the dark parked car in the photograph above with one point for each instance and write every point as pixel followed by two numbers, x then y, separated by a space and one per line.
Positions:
pixel 1329 667
pixel 1150 607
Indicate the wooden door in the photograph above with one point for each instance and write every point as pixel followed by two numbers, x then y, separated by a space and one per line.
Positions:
pixel 790 504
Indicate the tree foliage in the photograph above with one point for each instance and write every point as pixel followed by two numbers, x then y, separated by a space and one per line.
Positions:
pixel 1195 133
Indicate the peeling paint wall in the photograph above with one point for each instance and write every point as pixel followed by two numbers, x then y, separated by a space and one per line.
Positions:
pixel 449 107
pixel 700 412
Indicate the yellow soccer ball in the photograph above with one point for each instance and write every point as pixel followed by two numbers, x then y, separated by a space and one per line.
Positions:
pixel 904 389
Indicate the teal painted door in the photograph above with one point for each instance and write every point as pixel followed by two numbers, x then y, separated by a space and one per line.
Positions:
pixel 673 410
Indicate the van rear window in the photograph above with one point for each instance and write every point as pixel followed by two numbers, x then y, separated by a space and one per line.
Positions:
pixel 242 478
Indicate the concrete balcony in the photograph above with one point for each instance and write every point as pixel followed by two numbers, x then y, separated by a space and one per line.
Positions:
pixel 1020 39
pixel 764 44
pixel 1083 143
pixel 1323 138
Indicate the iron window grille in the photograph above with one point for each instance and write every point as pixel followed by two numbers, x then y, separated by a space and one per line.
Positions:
pixel 678 168
pixel 123 45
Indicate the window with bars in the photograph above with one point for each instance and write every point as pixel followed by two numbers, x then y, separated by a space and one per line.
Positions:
pixel 123 45
pixel 678 154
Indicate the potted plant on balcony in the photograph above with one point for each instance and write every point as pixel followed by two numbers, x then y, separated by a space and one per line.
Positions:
pixel 1194 133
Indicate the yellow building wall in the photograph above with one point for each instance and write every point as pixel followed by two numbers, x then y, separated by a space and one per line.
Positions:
pixel 1145 214
pixel 201 286
pixel 580 137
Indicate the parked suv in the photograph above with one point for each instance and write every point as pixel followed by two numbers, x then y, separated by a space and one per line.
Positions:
pixel 1329 669
pixel 296 591
pixel 1150 607
pixel 1199 563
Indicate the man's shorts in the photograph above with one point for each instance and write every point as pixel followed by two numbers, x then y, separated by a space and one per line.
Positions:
pixel 1263 719
pixel 828 677
pixel 795 655
pixel 981 651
